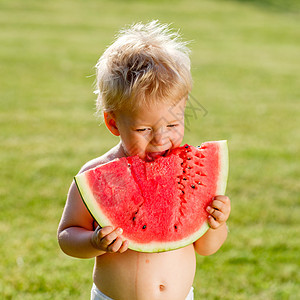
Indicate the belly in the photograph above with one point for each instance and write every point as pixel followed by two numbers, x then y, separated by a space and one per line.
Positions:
pixel 142 276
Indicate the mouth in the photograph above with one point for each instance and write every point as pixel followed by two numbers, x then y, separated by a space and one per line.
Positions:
pixel 151 156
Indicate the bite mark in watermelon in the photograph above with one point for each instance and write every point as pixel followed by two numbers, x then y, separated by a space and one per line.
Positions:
pixel 160 205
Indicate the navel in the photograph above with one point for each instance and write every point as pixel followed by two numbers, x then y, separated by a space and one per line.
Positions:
pixel 162 287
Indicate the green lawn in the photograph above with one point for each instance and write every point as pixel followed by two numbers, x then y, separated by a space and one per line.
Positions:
pixel 246 70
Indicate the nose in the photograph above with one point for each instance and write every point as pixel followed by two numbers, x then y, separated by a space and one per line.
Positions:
pixel 159 137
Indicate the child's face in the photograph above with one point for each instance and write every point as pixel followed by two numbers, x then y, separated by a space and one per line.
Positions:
pixel 151 132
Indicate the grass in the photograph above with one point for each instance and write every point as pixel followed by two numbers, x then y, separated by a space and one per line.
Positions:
pixel 246 77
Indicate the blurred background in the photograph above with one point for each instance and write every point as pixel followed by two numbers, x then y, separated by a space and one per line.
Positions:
pixel 246 71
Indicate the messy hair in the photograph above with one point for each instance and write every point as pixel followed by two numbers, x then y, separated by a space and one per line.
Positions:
pixel 146 64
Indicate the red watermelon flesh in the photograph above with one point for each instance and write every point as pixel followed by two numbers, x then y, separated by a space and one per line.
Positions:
pixel 160 205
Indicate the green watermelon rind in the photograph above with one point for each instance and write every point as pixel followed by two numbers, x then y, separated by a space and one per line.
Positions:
pixel 224 166
pixel 88 199
pixel 167 246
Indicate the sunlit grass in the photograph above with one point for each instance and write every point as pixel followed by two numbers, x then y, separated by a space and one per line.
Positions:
pixel 246 76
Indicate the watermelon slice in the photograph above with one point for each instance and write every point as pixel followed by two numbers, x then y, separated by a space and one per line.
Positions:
pixel 160 205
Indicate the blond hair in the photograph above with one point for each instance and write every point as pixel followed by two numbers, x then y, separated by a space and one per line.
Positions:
pixel 147 63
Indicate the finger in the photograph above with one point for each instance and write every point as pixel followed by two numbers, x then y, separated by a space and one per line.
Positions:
pixel 108 239
pixel 124 246
pixel 220 218
pixel 217 204
pixel 211 210
pixel 102 232
pixel 213 223
pixel 221 203
pixel 98 234
pixel 222 198
pixel 216 214
pixel 115 245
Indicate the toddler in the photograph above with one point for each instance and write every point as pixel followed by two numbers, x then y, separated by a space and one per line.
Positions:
pixel 143 82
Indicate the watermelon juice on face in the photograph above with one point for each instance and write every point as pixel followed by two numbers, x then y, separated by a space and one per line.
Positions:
pixel 135 209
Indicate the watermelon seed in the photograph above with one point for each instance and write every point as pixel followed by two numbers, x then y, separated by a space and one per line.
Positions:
pixel 133 218
pixel 188 158
pixel 189 167
pixel 175 226
pixel 182 191
pixel 129 165
pixel 193 186
pixel 145 226
pixel 186 147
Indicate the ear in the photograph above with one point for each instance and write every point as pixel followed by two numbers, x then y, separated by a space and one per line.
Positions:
pixel 110 122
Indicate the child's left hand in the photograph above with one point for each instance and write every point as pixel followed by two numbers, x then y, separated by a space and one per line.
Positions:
pixel 219 211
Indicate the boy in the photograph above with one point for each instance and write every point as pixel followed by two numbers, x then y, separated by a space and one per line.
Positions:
pixel 143 80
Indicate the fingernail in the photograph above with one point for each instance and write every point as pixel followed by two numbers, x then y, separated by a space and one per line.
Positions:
pixel 208 208
pixel 119 231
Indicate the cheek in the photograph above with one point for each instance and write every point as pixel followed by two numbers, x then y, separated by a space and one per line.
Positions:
pixel 135 145
pixel 177 136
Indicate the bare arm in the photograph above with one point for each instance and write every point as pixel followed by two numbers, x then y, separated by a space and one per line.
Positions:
pixel 211 241
pixel 216 235
pixel 75 229
pixel 76 235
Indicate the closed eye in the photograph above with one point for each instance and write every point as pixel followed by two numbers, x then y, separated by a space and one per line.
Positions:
pixel 172 125
pixel 142 129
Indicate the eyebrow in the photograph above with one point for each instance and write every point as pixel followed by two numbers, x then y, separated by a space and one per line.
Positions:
pixel 177 120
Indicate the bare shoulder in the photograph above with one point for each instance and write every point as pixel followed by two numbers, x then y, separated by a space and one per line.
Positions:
pixel 115 152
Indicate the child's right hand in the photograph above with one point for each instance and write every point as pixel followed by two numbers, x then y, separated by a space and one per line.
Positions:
pixel 109 240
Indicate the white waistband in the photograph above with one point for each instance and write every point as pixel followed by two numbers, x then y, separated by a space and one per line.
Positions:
pixel 96 294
